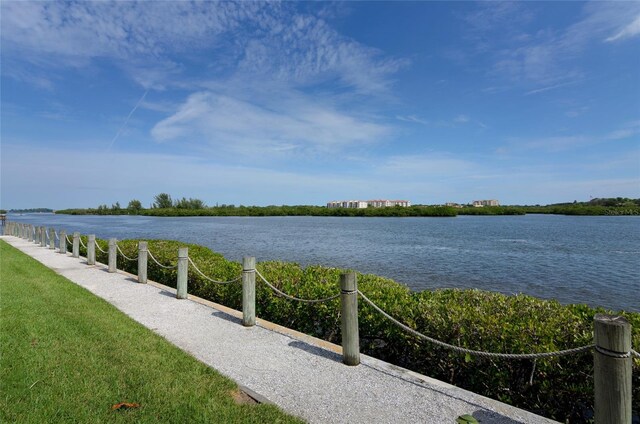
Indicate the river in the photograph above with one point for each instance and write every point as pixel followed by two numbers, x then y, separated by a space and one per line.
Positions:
pixel 574 259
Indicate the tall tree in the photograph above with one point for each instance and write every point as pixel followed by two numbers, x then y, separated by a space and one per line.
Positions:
pixel 134 205
pixel 162 200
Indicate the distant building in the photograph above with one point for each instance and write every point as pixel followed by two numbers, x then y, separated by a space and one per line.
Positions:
pixel 362 204
pixel 453 205
pixel 352 204
pixel 482 203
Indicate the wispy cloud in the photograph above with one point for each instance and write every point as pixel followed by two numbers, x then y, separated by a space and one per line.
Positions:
pixel 413 119
pixel 555 144
pixel 299 124
pixel 546 57
pixel 631 30
pixel 257 39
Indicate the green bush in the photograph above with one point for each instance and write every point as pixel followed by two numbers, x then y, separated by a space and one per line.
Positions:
pixel 559 388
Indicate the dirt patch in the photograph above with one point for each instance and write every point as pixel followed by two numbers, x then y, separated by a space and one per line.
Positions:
pixel 241 398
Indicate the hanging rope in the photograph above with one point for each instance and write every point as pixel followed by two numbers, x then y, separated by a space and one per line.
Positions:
pixel 476 352
pixel 158 263
pixel 125 256
pixel 211 279
pixel 82 243
pixel 98 246
pixel 283 294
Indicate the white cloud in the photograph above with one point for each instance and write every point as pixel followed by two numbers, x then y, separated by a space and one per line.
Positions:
pixel 628 31
pixel 256 39
pixel 254 128
pixel 547 57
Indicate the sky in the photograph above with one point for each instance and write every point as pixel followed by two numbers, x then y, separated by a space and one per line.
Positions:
pixel 258 103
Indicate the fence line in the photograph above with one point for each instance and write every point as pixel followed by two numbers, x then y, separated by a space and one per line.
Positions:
pixel 98 246
pixel 159 264
pixel 125 256
pixel 283 294
pixel 211 279
pixel 612 348
pixel 476 352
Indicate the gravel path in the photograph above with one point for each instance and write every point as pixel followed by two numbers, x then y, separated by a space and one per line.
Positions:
pixel 302 375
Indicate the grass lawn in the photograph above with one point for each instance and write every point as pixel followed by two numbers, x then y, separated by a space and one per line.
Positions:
pixel 68 356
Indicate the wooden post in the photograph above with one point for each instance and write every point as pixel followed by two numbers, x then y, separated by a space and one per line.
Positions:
pixel 113 255
pixel 349 314
pixel 183 268
pixel 75 249
pixel 612 369
pixel 248 291
pixel 91 249
pixel 52 238
pixel 43 236
pixel 32 233
pixel 142 262
pixel 63 242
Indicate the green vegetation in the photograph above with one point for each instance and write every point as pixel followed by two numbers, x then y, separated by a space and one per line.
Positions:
pixel 560 388
pixel 68 356
pixel 33 210
pixel 435 211
pixel 163 205
pixel 3 212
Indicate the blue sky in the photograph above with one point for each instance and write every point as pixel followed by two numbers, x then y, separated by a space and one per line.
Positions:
pixel 303 103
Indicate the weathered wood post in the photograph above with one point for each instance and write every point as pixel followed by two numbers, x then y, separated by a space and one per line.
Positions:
pixel 183 268
pixel 91 249
pixel 248 291
pixel 349 314
pixel 113 255
pixel 52 238
pixel 612 369
pixel 36 234
pixel 75 249
pixel 142 262
pixel 32 233
pixel 43 236
pixel 63 242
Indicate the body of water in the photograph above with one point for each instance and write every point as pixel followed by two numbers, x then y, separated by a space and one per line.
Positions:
pixel 574 259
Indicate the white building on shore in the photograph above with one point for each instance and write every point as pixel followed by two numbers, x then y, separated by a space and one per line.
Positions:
pixel 363 204
pixel 482 203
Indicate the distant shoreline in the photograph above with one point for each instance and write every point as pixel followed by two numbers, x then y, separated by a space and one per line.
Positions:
pixel 413 211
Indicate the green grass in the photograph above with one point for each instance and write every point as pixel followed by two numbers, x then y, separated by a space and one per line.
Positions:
pixel 68 356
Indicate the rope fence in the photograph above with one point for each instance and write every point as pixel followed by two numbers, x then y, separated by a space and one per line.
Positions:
pixel 211 279
pixel 471 351
pixel 611 332
pixel 125 256
pixel 283 294
pixel 99 248
pixel 153 258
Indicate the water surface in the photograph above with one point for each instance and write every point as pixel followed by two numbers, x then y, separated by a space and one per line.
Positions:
pixel 575 259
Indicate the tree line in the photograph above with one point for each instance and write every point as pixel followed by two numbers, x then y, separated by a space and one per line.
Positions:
pixel 165 205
